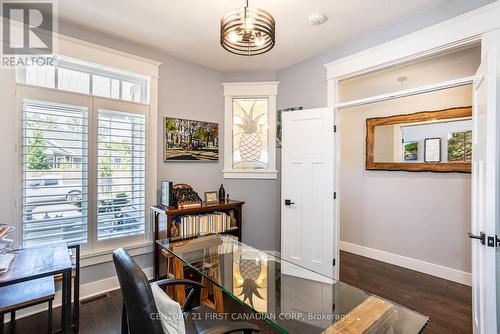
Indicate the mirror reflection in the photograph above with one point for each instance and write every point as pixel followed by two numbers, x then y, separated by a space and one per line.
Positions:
pixel 427 141
pixel 437 141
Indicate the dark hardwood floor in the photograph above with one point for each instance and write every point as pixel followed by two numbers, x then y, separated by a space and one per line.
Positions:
pixel 448 304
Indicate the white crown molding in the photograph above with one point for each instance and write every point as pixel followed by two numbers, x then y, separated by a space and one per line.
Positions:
pixel 260 88
pixel 459 30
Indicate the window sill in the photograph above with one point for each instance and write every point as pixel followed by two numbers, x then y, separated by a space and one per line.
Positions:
pixel 104 256
pixel 267 174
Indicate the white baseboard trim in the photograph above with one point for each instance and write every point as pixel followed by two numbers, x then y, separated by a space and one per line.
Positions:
pixel 409 263
pixel 86 290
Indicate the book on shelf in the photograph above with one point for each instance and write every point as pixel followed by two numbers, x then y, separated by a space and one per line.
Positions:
pixel 216 222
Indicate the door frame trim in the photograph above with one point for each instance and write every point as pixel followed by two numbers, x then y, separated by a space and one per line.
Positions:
pixel 470 28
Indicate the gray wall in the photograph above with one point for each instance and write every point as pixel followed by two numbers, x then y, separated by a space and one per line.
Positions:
pixel 186 90
pixel 404 213
pixel 261 210
pixel 193 91
pixel 304 84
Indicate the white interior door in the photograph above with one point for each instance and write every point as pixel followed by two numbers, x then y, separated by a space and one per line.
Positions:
pixel 484 196
pixel 307 206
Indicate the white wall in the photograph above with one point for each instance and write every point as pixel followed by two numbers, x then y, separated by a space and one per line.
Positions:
pixel 423 216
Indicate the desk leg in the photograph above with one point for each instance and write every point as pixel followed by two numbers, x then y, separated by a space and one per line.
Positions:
pixel 180 289
pixel 66 302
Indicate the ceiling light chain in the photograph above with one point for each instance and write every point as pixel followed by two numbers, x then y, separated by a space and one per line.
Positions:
pixel 247 31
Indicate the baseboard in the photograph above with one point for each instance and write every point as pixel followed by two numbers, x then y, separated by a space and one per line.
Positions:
pixel 86 290
pixel 409 263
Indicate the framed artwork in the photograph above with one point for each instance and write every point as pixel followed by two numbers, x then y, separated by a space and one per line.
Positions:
pixel 211 197
pixel 432 150
pixel 410 151
pixel 278 123
pixel 460 146
pixel 188 140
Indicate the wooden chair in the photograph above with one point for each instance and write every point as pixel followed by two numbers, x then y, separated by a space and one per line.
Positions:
pixel 21 295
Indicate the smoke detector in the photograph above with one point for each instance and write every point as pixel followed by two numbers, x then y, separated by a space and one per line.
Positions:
pixel 316 19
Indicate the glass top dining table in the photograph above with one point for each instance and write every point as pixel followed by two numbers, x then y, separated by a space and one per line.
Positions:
pixel 289 297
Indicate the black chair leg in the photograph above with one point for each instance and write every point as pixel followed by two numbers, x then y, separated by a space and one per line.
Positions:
pixel 49 318
pixel 12 329
pixel 1 323
pixel 124 320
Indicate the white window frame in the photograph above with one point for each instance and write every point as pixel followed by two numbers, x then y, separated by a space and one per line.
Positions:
pixel 93 69
pixel 93 246
pixel 98 54
pixel 43 94
pixel 236 90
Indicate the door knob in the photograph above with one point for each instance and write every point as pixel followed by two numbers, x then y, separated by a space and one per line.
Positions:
pixel 481 237
pixel 289 202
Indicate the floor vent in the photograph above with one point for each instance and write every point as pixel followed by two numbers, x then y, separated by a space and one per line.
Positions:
pixel 95 299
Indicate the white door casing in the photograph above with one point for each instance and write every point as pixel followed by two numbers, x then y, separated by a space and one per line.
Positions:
pixel 484 194
pixel 308 226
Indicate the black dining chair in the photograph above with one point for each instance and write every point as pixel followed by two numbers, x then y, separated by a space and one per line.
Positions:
pixel 139 304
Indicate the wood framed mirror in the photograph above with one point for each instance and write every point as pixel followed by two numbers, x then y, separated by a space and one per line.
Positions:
pixel 429 141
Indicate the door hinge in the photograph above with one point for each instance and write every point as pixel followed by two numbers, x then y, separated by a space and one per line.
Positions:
pixel 334 262
pixel 334 128
pixel 334 195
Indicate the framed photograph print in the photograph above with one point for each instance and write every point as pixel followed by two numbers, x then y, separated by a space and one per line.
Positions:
pixel 188 140
pixel 211 197
pixel 432 150
pixel 410 151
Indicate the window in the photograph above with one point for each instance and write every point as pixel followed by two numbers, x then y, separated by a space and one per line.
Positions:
pixel 250 133
pixel 54 194
pixel 77 76
pixel 250 137
pixel 121 174
pixel 73 81
pixel 106 87
pixel 44 76
pixel 131 91
pixel 84 169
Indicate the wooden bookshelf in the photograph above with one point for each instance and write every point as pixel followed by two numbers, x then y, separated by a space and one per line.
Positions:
pixel 164 220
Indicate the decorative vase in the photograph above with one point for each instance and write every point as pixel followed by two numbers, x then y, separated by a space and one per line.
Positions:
pixel 222 194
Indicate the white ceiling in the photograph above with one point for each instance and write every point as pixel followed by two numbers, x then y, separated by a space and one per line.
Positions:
pixel 189 29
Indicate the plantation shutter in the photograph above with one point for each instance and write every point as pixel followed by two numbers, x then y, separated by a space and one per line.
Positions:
pixel 121 174
pixel 55 174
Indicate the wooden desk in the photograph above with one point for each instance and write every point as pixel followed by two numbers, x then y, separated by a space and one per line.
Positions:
pixel 33 263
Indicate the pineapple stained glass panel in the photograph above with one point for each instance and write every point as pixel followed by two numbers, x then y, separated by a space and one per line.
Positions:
pixel 250 133
pixel 250 279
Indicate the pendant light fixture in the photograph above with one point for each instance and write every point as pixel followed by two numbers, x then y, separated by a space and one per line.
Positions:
pixel 247 31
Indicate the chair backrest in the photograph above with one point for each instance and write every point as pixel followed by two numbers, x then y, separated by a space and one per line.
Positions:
pixel 137 295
